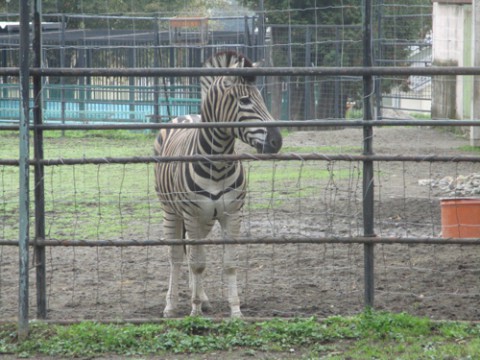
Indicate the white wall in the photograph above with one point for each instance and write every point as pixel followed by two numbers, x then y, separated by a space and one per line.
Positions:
pixel 449 28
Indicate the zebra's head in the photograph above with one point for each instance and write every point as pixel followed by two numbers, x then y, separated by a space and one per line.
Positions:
pixel 237 99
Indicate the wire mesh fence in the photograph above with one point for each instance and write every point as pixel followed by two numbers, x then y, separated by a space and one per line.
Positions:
pixel 286 200
pixel 94 209
pixel 324 35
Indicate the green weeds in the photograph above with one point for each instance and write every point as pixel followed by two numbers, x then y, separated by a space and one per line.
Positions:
pixel 370 335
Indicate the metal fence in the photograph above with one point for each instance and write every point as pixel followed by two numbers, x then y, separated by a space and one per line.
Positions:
pixel 151 42
pixel 357 212
pixel 396 47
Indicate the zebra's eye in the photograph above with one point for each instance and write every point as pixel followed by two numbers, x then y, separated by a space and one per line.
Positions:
pixel 245 101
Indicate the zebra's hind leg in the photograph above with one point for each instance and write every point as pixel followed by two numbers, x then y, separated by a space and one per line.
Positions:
pixel 206 306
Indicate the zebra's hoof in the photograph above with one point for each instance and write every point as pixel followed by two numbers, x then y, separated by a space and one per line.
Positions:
pixel 196 313
pixel 236 315
pixel 206 306
pixel 169 313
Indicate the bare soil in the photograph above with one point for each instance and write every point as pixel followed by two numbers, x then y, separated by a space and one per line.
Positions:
pixel 287 280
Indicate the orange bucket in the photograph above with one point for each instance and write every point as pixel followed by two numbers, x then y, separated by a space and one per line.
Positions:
pixel 460 218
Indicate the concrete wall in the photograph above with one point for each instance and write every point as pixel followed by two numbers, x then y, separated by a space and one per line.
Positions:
pixel 451 47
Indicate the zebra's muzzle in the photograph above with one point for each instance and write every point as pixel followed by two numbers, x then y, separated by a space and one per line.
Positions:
pixel 273 142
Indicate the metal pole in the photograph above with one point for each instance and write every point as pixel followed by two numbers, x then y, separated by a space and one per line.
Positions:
pixel 156 80
pixel 475 131
pixel 289 79
pixel 324 71
pixel 338 103
pixel 24 171
pixel 368 177
pixel 261 48
pixel 39 169
pixel 379 55
pixel 262 29
pixel 132 62
pixel 62 79
pixel 308 83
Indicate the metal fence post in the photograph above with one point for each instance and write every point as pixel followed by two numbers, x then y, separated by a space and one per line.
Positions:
pixel 308 84
pixel 156 81
pixel 368 178
pixel 39 168
pixel 62 78
pixel 132 62
pixel 23 238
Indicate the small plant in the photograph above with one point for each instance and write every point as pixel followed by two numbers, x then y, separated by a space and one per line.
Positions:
pixel 368 335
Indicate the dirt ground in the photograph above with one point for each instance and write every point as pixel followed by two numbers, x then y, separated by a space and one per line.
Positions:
pixel 287 280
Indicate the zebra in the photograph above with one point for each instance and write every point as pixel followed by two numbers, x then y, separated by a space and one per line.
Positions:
pixel 196 195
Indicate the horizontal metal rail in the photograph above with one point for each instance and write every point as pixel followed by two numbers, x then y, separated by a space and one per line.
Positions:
pixel 257 241
pixel 270 71
pixel 244 156
pixel 283 124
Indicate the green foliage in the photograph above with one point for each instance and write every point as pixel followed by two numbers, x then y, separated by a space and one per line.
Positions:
pixel 392 326
pixel 335 38
pixel 119 7
pixel 408 25
pixel 368 335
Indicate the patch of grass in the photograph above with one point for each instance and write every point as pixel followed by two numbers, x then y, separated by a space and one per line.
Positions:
pixel 106 134
pixel 85 201
pixel 273 183
pixel 322 149
pixel 469 148
pixel 290 171
pixel 368 335
pixel 111 201
pixel 389 326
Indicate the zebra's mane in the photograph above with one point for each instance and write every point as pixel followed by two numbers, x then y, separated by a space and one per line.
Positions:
pixel 226 59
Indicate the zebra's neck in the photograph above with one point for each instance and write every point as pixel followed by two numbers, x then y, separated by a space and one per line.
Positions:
pixel 214 141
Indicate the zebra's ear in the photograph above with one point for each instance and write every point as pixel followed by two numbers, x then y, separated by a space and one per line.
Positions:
pixel 228 59
pixel 229 81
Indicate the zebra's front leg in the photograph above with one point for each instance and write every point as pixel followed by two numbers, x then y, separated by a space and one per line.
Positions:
pixel 176 259
pixel 231 230
pixel 197 263
pixel 230 269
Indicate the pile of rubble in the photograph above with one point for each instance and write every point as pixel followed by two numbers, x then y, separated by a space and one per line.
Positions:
pixel 460 186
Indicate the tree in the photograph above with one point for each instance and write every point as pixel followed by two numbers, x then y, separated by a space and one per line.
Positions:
pixel 329 33
pixel 120 7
